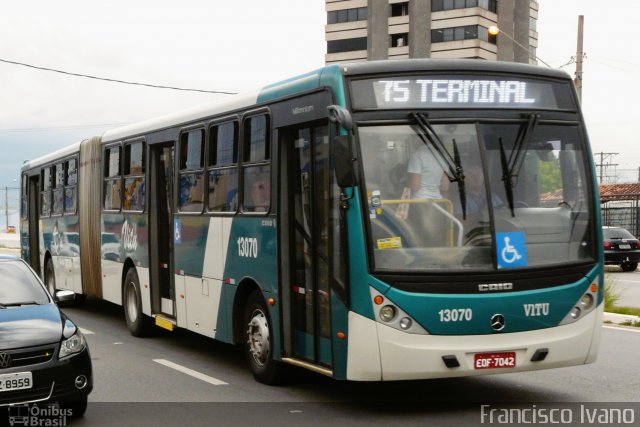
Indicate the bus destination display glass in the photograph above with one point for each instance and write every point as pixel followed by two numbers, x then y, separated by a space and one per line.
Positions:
pixel 456 91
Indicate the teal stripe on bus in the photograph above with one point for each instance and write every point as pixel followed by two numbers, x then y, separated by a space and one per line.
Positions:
pixel 519 308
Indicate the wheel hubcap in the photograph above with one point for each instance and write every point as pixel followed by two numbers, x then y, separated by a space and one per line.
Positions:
pixel 258 337
pixel 132 302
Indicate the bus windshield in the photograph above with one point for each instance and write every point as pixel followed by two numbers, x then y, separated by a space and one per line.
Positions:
pixel 476 196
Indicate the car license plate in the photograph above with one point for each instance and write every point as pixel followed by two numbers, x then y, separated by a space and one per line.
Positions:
pixel 16 381
pixel 506 359
pixel 624 246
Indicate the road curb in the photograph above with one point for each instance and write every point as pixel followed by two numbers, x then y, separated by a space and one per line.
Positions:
pixel 619 318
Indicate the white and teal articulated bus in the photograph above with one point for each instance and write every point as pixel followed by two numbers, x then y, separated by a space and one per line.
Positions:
pixel 391 220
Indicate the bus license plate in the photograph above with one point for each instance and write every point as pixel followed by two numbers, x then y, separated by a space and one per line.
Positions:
pixel 17 381
pixel 505 359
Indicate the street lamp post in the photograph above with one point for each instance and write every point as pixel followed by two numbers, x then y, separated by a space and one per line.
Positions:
pixel 494 31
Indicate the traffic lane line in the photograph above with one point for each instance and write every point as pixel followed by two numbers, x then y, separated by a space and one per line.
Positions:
pixel 636 330
pixel 190 372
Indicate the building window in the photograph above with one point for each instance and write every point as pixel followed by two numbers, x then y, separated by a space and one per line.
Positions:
pixel 439 5
pixel 347 45
pixel 399 40
pixel 112 179
pixel 191 174
pixel 256 194
pixel 223 167
pixel 347 15
pixel 400 9
pixel 469 32
pixel 134 182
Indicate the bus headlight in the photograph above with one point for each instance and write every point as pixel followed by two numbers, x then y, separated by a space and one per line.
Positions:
pixel 405 323
pixel 575 312
pixel 387 313
pixel 586 302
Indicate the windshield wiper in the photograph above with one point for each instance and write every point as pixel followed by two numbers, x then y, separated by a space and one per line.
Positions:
pixel 511 167
pixel 452 166
pixel 18 304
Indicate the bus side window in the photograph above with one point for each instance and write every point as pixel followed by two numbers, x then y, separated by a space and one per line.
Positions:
pixel 45 195
pixel 70 189
pixel 58 189
pixel 223 167
pixel 256 194
pixel 191 196
pixel 112 179
pixel 134 182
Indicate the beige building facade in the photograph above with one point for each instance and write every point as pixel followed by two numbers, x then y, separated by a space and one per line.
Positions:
pixel 360 30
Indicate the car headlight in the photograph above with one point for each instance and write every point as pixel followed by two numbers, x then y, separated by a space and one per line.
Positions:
pixel 72 345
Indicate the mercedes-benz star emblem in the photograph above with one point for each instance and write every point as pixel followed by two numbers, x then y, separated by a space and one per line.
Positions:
pixel 497 322
pixel 5 360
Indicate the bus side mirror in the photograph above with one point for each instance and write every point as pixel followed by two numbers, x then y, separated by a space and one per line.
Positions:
pixel 343 161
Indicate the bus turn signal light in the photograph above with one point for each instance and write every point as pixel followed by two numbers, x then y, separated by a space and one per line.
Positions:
pixel 378 299
pixel 271 301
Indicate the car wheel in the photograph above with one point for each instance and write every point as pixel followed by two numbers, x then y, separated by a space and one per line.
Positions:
pixel 138 323
pixel 77 407
pixel 258 345
pixel 629 266
pixel 50 278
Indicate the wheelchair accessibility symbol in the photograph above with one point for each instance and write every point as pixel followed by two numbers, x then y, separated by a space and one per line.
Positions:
pixel 512 249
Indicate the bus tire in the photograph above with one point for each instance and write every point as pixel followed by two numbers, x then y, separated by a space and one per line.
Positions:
pixel 50 278
pixel 138 323
pixel 257 341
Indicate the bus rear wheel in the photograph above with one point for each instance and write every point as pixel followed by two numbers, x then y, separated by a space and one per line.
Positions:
pixel 258 343
pixel 50 278
pixel 138 323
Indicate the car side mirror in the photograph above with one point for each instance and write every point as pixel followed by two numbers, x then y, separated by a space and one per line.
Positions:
pixel 64 297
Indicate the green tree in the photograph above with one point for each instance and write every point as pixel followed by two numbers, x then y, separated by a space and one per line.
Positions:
pixel 550 178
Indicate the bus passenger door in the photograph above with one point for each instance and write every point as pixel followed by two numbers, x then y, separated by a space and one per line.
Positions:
pixel 161 229
pixel 34 230
pixel 305 209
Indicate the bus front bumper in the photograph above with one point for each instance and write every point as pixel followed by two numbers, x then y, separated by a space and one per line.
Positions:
pixel 378 352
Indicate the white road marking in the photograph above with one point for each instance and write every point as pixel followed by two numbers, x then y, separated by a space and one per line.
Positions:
pixel 636 330
pixel 190 372
pixel 87 332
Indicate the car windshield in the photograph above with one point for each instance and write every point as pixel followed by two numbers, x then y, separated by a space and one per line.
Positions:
pixel 19 286
pixel 617 233
pixel 428 207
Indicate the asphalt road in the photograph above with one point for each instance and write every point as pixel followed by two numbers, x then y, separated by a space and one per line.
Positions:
pixel 163 380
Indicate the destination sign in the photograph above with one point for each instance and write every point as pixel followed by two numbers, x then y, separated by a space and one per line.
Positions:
pixel 460 92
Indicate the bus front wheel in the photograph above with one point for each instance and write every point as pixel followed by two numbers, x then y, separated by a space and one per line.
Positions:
pixel 138 323
pixel 258 342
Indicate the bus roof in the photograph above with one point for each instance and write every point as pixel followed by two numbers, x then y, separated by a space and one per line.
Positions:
pixel 314 79
pixel 58 154
pixel 448 65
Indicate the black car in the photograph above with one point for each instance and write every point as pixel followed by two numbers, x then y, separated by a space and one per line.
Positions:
pixel 44 357
pixel 620 248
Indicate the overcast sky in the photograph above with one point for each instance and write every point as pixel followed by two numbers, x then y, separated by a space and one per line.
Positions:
pixel 240 45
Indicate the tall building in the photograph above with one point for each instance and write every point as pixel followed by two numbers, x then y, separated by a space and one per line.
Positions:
pixel 360 30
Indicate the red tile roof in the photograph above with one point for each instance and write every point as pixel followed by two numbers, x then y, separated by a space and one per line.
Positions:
pixel 610 192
